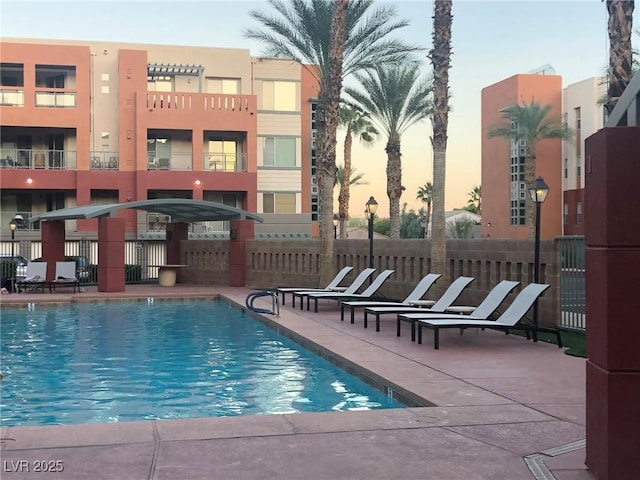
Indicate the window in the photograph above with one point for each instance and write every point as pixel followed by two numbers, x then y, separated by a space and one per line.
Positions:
pixel 579 213
pixel 104 77
pixel 279 151
pixel 227 86
pixel 222 155
pixel 578 139
pixel 566 214
pixel 278 203
pixel 104 88
pixel 566 168
pixel 160 84
pixel 11 75
pixel 518 188
pixel 280 96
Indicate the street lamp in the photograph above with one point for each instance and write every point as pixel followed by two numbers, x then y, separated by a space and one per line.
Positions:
pixel 538 191
pixel 370 211
pixel 336 219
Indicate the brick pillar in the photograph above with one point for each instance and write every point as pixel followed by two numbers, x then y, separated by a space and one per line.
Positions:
pixel 111 254
pixel 612 165
pixel 241 231
pixel 53 237
pixel 176 232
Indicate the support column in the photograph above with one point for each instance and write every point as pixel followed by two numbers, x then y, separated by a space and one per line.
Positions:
pixel 240 231
pixel 176 232
pixel 111 254
pixel 612 204
pixel 53 238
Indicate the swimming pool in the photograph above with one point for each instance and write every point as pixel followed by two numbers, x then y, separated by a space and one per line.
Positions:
pixel 124 361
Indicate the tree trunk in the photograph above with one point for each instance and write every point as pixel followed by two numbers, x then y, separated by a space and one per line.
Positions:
pixel 343 198
pixel 327 118
pixel 394 183
pixel 620 52
pixel 428 219
pixel 441 59
pixel 529 177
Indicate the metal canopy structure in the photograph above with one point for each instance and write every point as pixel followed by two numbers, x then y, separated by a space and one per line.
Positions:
pixel 179 209
pixel 627 111
pixel 161 69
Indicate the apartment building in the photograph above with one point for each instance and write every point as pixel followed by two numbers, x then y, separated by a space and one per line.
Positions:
pixel 504 191
pixel 584 113
pixel 86 123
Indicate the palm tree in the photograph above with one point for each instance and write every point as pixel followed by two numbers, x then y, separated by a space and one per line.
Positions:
pixel 355 180
pixel 358 124
pixel 620 52
pixel 332 39
pixel 475 200
pixel 425 195
pixel 530 124
pixel 395 98
pixel 440 56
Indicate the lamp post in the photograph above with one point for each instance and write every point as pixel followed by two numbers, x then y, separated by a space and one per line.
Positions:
pixel 370 211
pixel 336 219
pixel 538 191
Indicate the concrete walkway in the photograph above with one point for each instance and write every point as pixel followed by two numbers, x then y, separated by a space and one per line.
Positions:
pixel 504 408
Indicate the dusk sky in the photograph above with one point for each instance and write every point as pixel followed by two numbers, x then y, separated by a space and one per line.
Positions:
pixel 491 41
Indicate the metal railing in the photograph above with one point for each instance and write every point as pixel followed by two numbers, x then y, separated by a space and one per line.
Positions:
pixel 104 161
pixel 12 97
pixel 572 282
pixel 37 159
pixel 56 99
pixel 225 162
pixel 173 161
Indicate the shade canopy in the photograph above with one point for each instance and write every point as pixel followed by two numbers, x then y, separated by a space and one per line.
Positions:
pixel 179 209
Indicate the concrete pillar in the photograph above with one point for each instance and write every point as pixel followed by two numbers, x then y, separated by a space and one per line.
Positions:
pixel 241 231
pixel 176 232
pixel 612 203
pixel 53 238
pixel 111 254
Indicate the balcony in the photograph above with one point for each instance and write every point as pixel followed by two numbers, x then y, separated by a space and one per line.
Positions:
pixel 157 223
pixel 12 97
pixel 38 159
pixel 174 161
pixel 57 98
pixel 225 162
pixel 104 161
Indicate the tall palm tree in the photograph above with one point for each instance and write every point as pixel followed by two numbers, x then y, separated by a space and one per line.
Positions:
pixel 395 98
pixel 425 195
pixel 357 123
pixel 305 31
pixel 620 52
pixel 530 123
pixel 440 56
pixel 475 199
pixel 355 180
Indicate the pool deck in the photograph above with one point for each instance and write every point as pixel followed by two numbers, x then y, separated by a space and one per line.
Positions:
pixel 505 408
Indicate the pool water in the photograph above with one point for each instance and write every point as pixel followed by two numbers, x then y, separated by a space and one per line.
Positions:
pixel 124 361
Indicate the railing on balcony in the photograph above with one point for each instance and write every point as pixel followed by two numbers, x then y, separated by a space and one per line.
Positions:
pixel 55 98
pixel 194 101
pixel 12 97
pixel 38 159
pixel 104 161
pixel 7 216
pixel 225 162
pixel 174 161
pixel 157 222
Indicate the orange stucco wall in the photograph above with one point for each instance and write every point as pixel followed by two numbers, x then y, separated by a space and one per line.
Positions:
pixel 545 89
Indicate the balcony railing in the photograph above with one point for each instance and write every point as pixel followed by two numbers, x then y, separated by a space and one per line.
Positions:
pixel 225 162
pixel 56 99
pixel 157 222
pixel 173 161
pixel 12 97
pixel 104 161
pixel 38 159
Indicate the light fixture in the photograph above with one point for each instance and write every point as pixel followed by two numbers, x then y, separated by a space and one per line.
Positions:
pixel 197 182
pixel 538 190
pixel 372 206
pixel 336 220
pixel 29 180
pixel 370 212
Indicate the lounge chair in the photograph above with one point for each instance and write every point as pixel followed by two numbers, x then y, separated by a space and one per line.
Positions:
pixel 444 302
pixel 66 276
pixel 416 294
pixel 509 320
pixel 353 288
pixel 333 285
pixel 368 293
pixel 35 277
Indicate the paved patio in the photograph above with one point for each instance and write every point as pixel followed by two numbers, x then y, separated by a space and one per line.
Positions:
pixel 504 408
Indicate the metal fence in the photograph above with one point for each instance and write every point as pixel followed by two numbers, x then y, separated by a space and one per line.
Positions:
pixel 142 257
pixel 572 282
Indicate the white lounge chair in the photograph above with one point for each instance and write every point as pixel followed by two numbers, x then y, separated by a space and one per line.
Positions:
pixel 416 294
pixel 36 277
pixel 368 293
pixel 65 276
pixel 509 320
pixel 333 285
pixel 353 288
pixel 445 301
